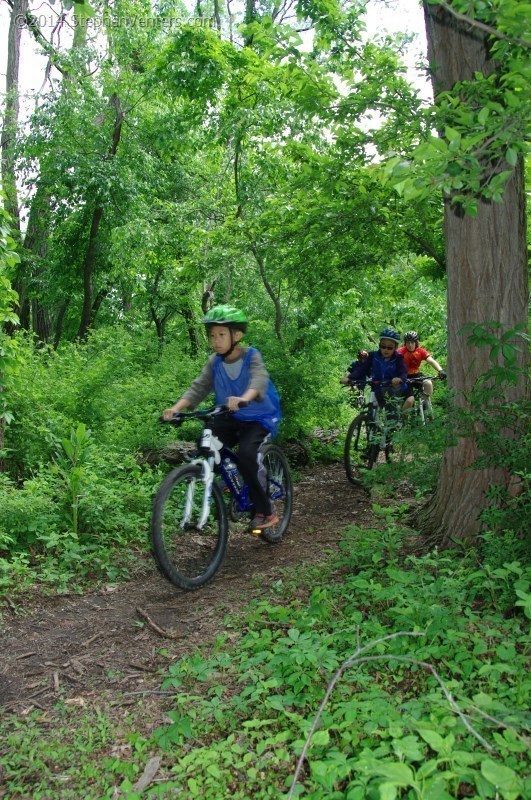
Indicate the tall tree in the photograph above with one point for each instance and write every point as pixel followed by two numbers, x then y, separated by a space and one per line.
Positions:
pixel 485 251
pixel 10 120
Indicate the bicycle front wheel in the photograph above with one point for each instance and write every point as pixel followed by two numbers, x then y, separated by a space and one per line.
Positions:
pixel 279 490
pixel 188 532
pixel 358 450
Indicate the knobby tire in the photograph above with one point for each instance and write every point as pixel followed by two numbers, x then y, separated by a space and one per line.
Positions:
pixel 279 490
pixel 187 556
pixel 357 452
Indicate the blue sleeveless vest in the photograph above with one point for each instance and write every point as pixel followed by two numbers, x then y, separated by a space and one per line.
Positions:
pixel 266 411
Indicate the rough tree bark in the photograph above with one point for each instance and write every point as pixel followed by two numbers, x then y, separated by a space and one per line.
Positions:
pixel 487 281
pixel 10 120
pixel 8 134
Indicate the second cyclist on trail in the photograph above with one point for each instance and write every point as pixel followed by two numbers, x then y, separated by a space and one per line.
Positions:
pixel 414 355
pixel 236 374
pixel 385 367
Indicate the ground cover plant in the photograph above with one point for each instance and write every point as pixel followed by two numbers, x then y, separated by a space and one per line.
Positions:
pixel 240 710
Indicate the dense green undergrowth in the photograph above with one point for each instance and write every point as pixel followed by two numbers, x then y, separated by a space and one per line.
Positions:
pixel 434 707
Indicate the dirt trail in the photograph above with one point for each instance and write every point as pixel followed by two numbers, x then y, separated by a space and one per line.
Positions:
pixel 106 643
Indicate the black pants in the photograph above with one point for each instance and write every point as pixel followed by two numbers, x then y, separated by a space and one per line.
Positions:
pixel 249 436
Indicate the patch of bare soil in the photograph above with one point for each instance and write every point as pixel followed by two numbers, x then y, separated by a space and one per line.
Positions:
pixel 107 645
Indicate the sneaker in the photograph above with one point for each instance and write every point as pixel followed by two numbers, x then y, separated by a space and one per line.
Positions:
pixel 262 521
pixel 257 522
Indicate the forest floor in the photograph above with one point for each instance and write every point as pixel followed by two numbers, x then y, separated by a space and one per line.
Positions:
pixel 108 647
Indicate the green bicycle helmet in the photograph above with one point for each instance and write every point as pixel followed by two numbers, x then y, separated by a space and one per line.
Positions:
pixel 229 316
pixel 390 333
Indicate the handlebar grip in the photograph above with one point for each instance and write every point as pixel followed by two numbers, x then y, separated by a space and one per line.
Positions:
pixel 177 419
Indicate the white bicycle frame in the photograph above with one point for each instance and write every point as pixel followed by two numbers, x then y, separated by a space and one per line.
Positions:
pixel 211 443
pixel 424 404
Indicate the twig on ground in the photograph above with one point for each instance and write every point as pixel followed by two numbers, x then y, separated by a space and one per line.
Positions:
pixel 525 739
pixel 36 694
pixel 161 632
pixel 147 777
pixel 89 641
pixel 151 691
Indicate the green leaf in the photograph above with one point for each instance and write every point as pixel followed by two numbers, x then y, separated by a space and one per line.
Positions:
pixel 408 747
pixel 511 156
pixel 503 778
pixel 398 774
pixel 435 740
pixel 387 791
pixel 451 134
pixel 321 738
pixel 483 115
pixel 68 447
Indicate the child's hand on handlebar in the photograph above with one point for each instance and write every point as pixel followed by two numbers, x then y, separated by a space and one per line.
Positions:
pixel 396 381
pixel 168 414
pixel 234 403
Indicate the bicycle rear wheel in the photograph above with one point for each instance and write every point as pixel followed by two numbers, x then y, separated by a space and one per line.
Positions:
pixel 359 454
pixel 279 490
pixel 188 555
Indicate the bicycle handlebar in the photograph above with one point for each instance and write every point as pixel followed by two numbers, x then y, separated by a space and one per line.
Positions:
pixel 420 381
pixel 358 384
pixel 216 411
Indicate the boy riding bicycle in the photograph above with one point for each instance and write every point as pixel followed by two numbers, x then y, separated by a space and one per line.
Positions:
pixel 414 355
pixel 385 367
pixel 237 374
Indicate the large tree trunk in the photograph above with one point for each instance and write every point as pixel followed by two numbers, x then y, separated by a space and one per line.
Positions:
pixel 7 139
pixel 10 121
pixel 487 281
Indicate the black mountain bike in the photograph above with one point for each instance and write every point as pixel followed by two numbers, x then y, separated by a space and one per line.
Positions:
pixel 370 433
pixel 191 511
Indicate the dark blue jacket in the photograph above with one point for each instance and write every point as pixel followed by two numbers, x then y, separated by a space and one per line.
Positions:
pixel 378 369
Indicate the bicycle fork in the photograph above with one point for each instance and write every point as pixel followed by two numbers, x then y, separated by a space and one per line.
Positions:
pixel 207 480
